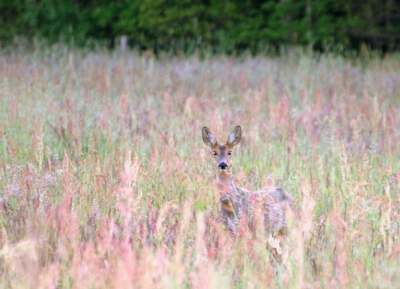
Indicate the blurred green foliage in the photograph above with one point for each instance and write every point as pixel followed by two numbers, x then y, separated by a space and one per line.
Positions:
pixel 220 26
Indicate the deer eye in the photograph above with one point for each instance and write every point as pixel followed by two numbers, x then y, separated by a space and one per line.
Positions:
pixel 215 153
pixel 229 153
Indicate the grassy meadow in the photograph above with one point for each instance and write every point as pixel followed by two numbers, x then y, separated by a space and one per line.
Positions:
pixel 105 181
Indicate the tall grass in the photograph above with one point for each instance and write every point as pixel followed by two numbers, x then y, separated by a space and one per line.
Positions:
pixel 105 182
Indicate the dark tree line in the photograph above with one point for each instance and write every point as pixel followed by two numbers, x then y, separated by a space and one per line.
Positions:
pixel 222 26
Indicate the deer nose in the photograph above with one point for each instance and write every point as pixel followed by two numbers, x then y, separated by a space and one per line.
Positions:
pixel 223 166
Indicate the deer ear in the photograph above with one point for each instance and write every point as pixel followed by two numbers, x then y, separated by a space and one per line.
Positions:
pixel 208 137
pixel 235 137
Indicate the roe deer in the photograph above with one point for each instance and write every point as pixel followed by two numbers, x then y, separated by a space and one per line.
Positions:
pixel 238 202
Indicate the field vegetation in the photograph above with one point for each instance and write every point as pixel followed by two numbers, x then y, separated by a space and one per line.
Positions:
pixel 105 181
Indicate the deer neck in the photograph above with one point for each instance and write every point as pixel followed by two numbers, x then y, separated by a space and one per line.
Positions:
pixel 226 179
pixel 229 202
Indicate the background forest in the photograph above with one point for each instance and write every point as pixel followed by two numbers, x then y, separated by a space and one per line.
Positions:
pixel 219 26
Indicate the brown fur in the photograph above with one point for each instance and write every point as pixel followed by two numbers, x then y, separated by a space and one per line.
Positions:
pixel 235 203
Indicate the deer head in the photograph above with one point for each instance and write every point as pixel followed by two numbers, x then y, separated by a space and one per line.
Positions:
pixel 222 152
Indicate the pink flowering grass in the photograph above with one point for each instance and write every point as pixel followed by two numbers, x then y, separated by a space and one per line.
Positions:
pixel 105 182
